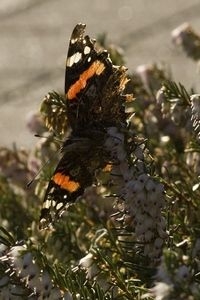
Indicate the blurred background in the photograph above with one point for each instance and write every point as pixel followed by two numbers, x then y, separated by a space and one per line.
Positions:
pixel 34 38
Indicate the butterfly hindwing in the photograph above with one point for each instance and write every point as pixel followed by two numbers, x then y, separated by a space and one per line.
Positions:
pixel 67 183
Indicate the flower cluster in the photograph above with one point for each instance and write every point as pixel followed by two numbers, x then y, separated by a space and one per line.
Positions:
pixel 195 105
pixel 30 280
pixel 175 277
pixel 186 37
pixel 143 196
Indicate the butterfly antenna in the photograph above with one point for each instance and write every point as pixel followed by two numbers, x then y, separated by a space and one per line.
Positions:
pixel 46 137
pixel 45 163
pixel 38 172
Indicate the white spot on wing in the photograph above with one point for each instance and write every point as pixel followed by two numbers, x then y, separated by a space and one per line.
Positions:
pixel 87 50
pixel 74 59
pixel 73 41
pixel 108 58
pixel 53 203
pixel 47 204
pixel 89 59
pixel 59 205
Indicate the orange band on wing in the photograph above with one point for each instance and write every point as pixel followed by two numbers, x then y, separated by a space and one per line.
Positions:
pixel 65 182
pixel 96 67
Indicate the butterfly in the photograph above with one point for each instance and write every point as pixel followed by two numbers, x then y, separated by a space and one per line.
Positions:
pixel 94 101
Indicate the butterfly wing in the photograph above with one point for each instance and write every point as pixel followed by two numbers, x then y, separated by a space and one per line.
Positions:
pixel 87 71
pixel 82 156
pixel 68 182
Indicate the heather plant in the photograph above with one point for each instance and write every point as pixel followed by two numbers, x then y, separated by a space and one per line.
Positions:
pixel 134 234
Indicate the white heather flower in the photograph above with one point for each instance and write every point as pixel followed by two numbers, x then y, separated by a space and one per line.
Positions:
pixel 55 294
pixel 139 167
pixel 161 221
pixel 158 243
pixel 160 96
pixel 34 282
pixel 15 290
pixel 182 273
pixel 177 112
pixel 109 143
pixel 154 212
pixel 161 290
pixel 2 249
pixel 150 185
pixel 152 198
pixel 155 253
pixel 27 259
pixel 93 271
pixel 5 293
pixel 14 255
pixel 121 154
pixel 148 235
pixel 195 105
pixel 86 261
pixel 46 283
pixel 195 101
pixel 148 223
pixel 161 231
pixel 160 188
pixel 112 131
pixel 144 71
pixel 147 249
pixel 196 249
pixel 139 230
pixel 34 122
pixel 125 170
pixel 4 280
pixel 138 186
pixel 29 268
pixel 185 36
pixel 139 152
pixel 143 178
pixel 193 160
pixel 195 290
pixel 178 33
pixel 15 251
pixel 140 198
pixel 67 296
pixel 163 273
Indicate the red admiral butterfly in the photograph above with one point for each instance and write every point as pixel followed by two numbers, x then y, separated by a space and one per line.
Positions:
pixel 94 101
